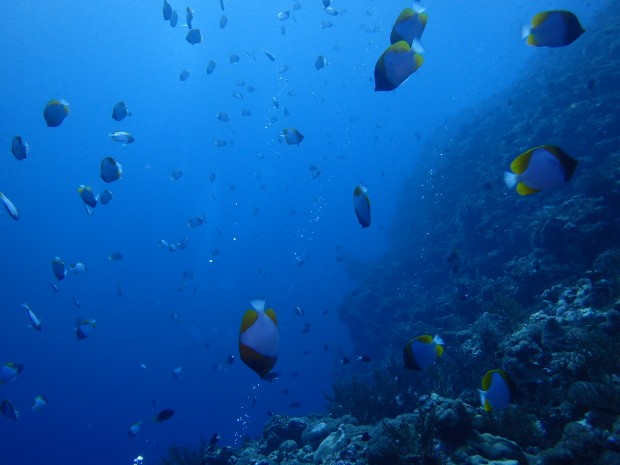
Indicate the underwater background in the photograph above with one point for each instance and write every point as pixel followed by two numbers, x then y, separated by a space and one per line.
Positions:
pixel 450 250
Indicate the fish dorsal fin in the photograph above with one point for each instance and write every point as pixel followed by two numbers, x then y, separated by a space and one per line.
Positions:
pixel 248 319
pixel 540 18
pixel 404 15
pixel 258 305
pixel 486 380
pixel 424 338
pixel 271 313
pixel 524 189
pixel 519 164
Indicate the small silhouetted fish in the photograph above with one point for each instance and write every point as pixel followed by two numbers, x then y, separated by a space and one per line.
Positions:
pixel 176 174
pixel 220 143
pixel 222 4
pixel 214 439
pixel 19 148
pixel 167 10
pixel 211 67
pixel 194 37
pixel 189 16
pixel 326 24
pixel 345 361
pixel 320 62
pixel 163 415
pixel 233 58
pixel 246 112
pixel 115 256
pixel 295 404
pixel 238 95
pixel 364 358
pixel 55 112
pixel 283 15
pixel 250 88
pixel 105 197
pixel 223 21
pixel 174 18
pixel 184 75
pixel 120 111
pixel 269 55
pixel 10 207
pixel 110 170
pixel 223 116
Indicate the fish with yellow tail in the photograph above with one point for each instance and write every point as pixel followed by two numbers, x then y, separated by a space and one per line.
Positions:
pixel 259 340
pixel 361 205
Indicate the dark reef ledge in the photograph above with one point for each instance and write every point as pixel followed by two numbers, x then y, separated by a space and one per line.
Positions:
pixel 531 285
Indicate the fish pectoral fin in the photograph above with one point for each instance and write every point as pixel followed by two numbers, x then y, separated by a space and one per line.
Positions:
pixel 524 189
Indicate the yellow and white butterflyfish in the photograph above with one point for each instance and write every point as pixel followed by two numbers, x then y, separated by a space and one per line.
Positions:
pixel 259 339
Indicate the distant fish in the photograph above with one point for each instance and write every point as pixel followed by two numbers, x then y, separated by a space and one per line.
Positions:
pixel 364 358
pixel 105 197
pixel 19 148
pixel 330 10
pixel 223 21
pixel 283 15
pixel 223 116
pixel 34 320
pixel 326 3
pixel 176 174
pixel 78 268
pixel 9 371
pixel 361 205
pixel 222 5
pixel 10 207
pixel 296 6
pixel 194 37
pixel 211 67
pixel 233 58
pixel 58 268
pixel 320 62
pixel 76 302
pixel 184 75
pixel 269 55
pixel 395 65
pixel 120 111
pixel 189 17
pixel 238 95
pixel 292 136
pixel 299 311
pixel 174 18
pixel 197 221
pixel 245 112
pixel 134 429
pixel 555 28
pixel 177 372
pixel 122 137
pixel 496 390
pixel 84 328
pixel 8 410
pixel 326 24
pixel 38 403
pixel 115 256
pixel 167 11
pixel 55 112
pixel 87 195
pixel 409 27
pixel 175 317
pixel 422 352
pixel 540 168
pixel 259 339
pixel 110 170
pixel 163 415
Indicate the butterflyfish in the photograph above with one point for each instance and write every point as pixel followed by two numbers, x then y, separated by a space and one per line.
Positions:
pixel 422 352
pixel 540 168
pixel 259 339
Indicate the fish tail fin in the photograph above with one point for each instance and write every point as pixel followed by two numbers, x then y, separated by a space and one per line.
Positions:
pixel 525 31
pixel 416 46
pixel 438 340
pixel 258 305
pixel 419 9
pixel 510 179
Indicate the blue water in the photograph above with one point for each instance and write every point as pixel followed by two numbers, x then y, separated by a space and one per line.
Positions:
pixel 281 234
